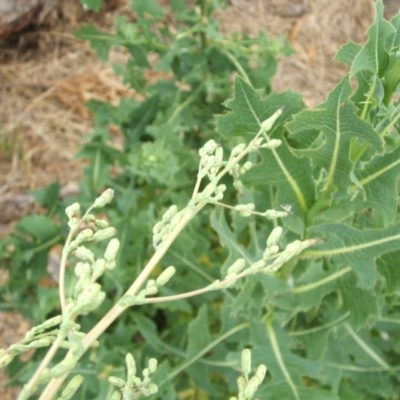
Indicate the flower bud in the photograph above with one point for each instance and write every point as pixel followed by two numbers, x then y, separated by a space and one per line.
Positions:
pixel 44 342
pixel 251 387
pixel 151 389
pixel 214 285
pixel 268 123
pixel 72 387
pixel 261 371
pixel 104 198
pixel 116 381
pixel 257 266
pixel 112 250
pixel 237 266
pixel 5 359
pixel 241 382
pixel 130 365
pixel 170 213
pixel 270 251
pixel 273 214
pixel 84 254
pixel 245 209
pixel 238 185
pixel 98 268
pixel 64 366
pixel 84 235
pixel 101 223
pixel 237 150
pixel 152 365
pixel 104 234
pixel 116 396
pixel 83 270
pixel 72 210
pixel 272 144
pixel 165 276
pixel 208 148
pixel 246 362
pixel 274 236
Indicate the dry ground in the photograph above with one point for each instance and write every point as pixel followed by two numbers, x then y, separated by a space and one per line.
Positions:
pixel 46 76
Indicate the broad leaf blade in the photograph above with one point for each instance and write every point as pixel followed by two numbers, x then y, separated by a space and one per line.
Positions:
pixel 339 123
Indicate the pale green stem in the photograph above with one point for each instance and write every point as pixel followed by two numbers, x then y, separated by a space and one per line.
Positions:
pixel 45 362
pixel 206 349
pixel 322 327
pixel 366 348
pixel 311 286
pixel 238 66
pixel 279 358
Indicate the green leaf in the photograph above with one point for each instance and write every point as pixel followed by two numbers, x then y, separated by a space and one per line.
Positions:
pixel 229 240
pixel 379 180
pixel 100 41
pixel 387 266
pixel 337 120
pixel 150 7
pixel 359 249
pixel 199 338
pixel 374 55
pixel 40 227
pixel 280 167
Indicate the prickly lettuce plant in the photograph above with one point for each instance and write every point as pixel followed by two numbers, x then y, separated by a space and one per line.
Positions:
pixel 323 319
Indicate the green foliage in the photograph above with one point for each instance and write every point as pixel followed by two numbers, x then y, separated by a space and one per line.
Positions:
pixel 326 324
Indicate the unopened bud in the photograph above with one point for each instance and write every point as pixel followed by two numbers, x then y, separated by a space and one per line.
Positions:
pixel 112 250
pixel 104 199
pixel 116 396
pixel 261 371
pixel 118 382
pixel 237 266
pixel 5 359
pixel 237 150
pixel 272 144
pixel 101 223
pixel 270 251
pixel 241 382
pixel 130 365
pixel 72 387
pixel 36 344
pixel 152 365
pixel 84 254
pixel 165 276
pixel 238 185
pixel 246 362
pixel 268 123
pixel 104 234
pixel 72 210
pixel 274 236
pixel 245 210
pixel 273 214
pixel 84 235
pixel 208 148
pixel 251 388
pixel 170 213
pixel 64 366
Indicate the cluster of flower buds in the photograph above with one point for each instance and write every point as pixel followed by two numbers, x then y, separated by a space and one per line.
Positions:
pixel 151 288
pixel 212 159
pixel 36 337
pixel 168 223
pixel 87 293
pixel 291 250
pixel 133 386
pixel 248 387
